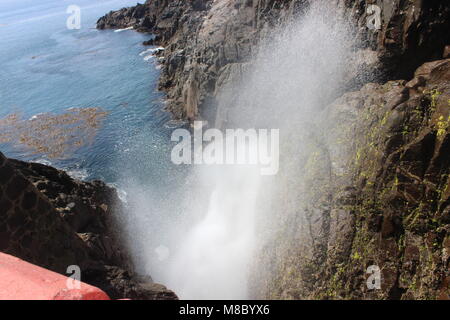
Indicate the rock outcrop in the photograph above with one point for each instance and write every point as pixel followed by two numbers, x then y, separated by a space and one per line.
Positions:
pixel 400 206
pixel 375 193
pixel 204 40
pixel 54 221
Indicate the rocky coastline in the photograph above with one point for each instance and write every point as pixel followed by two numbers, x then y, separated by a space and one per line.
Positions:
pixel 208 42
pixel 385 199
pixel 55 221
pixel 391 206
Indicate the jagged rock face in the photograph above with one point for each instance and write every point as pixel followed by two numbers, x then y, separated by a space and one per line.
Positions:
pixel 54 221
pixel 124 18
pixel 402 178
pixel 30 228
pixel 411 33
pixel 87 208
pixel 383 200
pixel 202 41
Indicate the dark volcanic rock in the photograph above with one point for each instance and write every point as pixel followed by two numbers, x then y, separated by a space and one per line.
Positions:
pixel 54 221
pixel 397 167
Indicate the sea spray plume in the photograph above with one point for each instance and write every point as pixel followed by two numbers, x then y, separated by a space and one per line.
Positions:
pixel 286 86
pixel 297 71
pixel 318 51
pixel 226 214
pixel 213 256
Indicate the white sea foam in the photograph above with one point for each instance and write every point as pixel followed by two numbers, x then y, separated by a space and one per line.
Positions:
pixel 43 161
pixel 79 174
pixel 158 49
pixel 125 29
pixel 173 124
pixel 36 116
pixel 151 56
pixel 75 173
pixel 143 53
pixel 122 194
pixel 151 50
pixel 150 53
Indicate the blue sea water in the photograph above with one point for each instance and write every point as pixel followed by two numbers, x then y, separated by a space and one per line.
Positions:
pixel 47 68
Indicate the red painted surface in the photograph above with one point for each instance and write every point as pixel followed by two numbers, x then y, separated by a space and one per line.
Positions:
pixel 20 280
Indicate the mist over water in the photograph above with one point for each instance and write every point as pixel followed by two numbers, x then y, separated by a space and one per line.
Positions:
pixel 212 260
pixel 223 212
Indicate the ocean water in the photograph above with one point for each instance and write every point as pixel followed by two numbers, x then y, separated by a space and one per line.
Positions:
pixel 47 68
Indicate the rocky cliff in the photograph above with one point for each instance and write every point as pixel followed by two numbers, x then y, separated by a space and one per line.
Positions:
pixel 385 198
pixel 207 41
pixel 374 192
pixel 54 221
